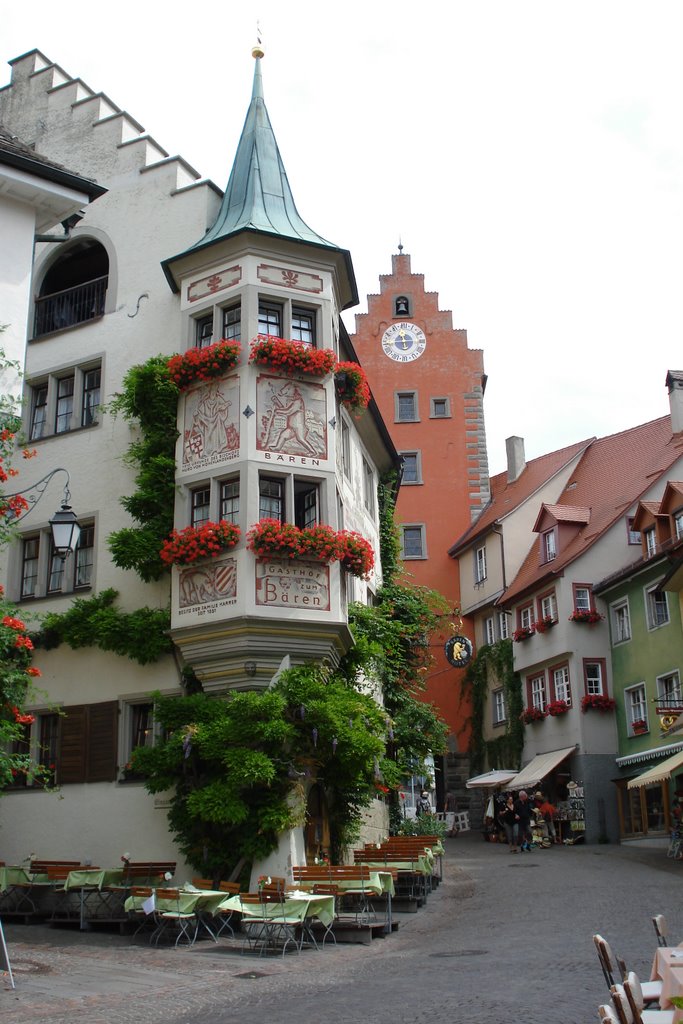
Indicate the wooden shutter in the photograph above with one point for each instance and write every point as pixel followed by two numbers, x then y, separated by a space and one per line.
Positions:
pixel 88 742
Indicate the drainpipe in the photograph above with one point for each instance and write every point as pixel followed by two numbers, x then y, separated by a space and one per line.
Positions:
pixel 69 224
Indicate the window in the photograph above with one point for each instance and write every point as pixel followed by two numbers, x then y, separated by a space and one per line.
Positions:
pixel 633 535
pixel 38 413
pixel 303 325
pixel 413 542
pixel 346 450
pixel 200 511
pixel 64 403
pixel 21 746
pixel 669 691
pixel 402 306
pixel 489 631
pixel 55 576
pixel 203 331
pixel 561 685
pixel 621 622
pixel 368 487
pixel 582 598
pixel 526 617
pixel 503 628
pixel 412 468
pixel 650 542
pixel 74 289
pixel 499 713
pixel 549 546
pixel 230 500
pixel 306 504
pixel 678 524
pixel 48 741
pixel 87 743
pixel 480 565
pixel 636 709
pixel 29 566
pixel 440 408
pixel 271 499
pixel 232 326
pixel 270 319
pixel 548 607
pixel 657 608
pixel 405 408
pixel 594 677
pixel 537 692
pixel 84 558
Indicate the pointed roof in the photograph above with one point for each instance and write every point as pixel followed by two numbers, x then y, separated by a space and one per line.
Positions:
pixel 258 197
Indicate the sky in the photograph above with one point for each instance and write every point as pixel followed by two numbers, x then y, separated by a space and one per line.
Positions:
pixel 528 154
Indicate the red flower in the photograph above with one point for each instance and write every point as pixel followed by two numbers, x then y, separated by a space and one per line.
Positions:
pixel 12 623
pixel 209 540
pixel 24 641
pixel 352 388
pixel 32 671
pixel 292 356
pixel 203 364
pixel 270 538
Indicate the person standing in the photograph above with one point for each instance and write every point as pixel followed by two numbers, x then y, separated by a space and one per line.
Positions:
pixel 524 811
pixel 510 819
pixel 423 805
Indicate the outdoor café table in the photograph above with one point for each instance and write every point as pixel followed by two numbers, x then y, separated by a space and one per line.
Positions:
pixel 299 907
pixel 22 892
pixel 417 866
pixel 90 885
pixel 380 883
pixel 668 966
pixel 202 902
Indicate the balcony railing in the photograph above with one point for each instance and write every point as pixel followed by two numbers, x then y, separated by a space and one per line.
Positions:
pixel 70 307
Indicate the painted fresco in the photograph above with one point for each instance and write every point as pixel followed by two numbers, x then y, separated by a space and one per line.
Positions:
pixel 291 417
pixel 211 430
pixel 299 584
pixel 205 588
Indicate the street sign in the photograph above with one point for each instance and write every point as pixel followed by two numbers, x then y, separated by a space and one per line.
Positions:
pixel 458 650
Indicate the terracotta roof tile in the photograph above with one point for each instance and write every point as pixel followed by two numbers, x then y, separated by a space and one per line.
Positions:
pixel 568 513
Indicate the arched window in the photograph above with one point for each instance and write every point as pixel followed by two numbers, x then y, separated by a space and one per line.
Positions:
pixel 74 289
pixel 402 306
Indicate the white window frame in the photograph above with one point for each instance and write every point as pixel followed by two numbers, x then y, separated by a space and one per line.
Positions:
pixel 650 539
pixel 369 488
pixel 538 691
pixel 562 687
pixel 126 745
pixel 594 680
pixel 620 617
pixel 672 692
pixel 635 705
pixel 503 625
pixel 499 709
pixel 678 523
pixel 50 569
pixel 549 545
pixel 656 599
pixel 549 607
pixel 581 603
pixel 480 564
pixel 526 616
pixel 633 536
pixel 489 630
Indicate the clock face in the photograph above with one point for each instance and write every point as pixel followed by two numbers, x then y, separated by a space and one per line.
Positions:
pixel 403 342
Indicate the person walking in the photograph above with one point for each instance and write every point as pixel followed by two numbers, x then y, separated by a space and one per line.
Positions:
pixel 524 811
pixel 510 819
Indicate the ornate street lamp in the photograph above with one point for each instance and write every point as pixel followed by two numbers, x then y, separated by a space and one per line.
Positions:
pixel 64 524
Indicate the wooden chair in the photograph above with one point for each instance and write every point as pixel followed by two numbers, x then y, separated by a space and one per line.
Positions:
pixel 145 917
pixel 203 883
pixel 184 925
pixel 224 917
pixel 266 925
pixel 652 990
pixel 661 929
pixel 636 1001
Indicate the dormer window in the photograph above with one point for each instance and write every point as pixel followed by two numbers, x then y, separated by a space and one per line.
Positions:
pixel 549 541
pixel 402 306
pixel 678 524
pixel 650 542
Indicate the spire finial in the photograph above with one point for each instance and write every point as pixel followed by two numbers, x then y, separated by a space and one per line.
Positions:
pixel 257 50
pixel 400 245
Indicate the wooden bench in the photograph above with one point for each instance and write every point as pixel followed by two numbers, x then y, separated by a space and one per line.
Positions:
pixel 146 871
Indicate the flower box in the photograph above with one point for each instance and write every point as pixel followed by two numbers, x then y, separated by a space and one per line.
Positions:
pixel 522 634
pixel 590 617
pixel 544 624
pixel 203 364
pixel 530 715
pixel 292 356
pixel 351 385
pixel 557 707
pixel 194 543
pixel 270 538
pixel 639 727
pixel 597 702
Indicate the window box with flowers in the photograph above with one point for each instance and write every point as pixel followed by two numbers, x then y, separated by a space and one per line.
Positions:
pixel 557 707
pixel 270 538
pixel 544 624
pixel 530 715
pixel 351 385
pixel 588 616
pixel 184 547
pixel 292 356
pixel 639 726
pixel 523 633
pixel 597 702
pixel 203 364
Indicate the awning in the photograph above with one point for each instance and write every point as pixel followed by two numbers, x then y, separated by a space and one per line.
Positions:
pixel 659 773
pixel 539 767
pixel 499 777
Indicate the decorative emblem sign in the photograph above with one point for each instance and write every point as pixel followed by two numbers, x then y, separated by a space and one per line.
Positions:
pixel 458 651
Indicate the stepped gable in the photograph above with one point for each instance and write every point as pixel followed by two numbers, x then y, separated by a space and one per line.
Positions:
pixel 611 475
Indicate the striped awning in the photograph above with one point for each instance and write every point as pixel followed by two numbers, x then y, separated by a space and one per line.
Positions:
pixel 539 767
pixel 497 777
pixel 659 773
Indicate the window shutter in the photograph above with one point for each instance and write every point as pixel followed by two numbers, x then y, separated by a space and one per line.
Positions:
pixel 102 735
pixel 72 745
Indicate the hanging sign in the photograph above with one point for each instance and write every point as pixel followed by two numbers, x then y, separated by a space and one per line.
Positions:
pixel 458 650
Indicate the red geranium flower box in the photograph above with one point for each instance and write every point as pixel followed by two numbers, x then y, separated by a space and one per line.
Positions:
pixel 209 540
pixel 292 356
pixel 203 364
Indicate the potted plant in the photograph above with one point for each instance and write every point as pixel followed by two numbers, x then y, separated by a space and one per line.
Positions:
pixel 557 707
pixel 352 387
pixel 547 622
pixel 209 540
pixel 523 633
pixel 597 702
pixel 639 726
pixel 203 364
pixel 270 538
pixel 529 715
pixel 587 615
pixel 292 356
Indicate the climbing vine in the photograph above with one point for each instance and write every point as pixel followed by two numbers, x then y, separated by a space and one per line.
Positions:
pixel 495 662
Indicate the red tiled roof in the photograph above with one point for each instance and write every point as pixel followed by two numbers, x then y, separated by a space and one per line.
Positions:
pixel 565 514
pixel 611 475
pixel 507 496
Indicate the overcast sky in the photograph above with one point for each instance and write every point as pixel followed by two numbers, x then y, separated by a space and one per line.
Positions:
pixel 528 153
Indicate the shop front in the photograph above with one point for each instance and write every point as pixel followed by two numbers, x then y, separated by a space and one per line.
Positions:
pixel 645 800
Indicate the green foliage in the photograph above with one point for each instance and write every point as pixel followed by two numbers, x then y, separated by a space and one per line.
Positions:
pixel 149 398
pixel 237 766
pixel 424 825
pixel 389 541
pixel 493 666
pixel 141 635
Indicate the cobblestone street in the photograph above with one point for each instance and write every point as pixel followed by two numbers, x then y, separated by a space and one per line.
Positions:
pixel 502 937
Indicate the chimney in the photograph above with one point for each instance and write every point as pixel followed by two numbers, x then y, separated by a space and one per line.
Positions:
pixel 674 382
pixel 514 446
